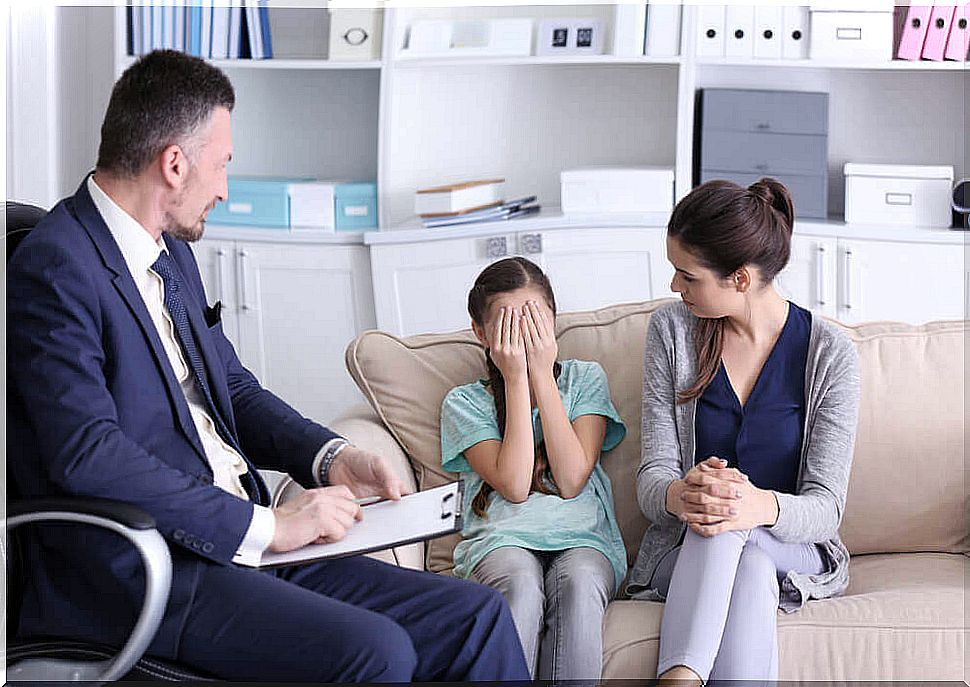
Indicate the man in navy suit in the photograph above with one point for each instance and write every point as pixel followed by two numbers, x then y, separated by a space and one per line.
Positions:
pixel 121 384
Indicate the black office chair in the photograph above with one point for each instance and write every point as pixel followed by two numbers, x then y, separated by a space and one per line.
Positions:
pixel 56 659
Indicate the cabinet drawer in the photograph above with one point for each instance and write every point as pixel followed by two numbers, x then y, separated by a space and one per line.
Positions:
pixel 764 153
pixel 780 112
pixel 809 193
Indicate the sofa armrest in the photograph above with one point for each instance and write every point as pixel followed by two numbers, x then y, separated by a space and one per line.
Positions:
pixel 361 426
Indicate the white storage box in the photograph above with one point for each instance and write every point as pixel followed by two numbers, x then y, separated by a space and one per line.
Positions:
pixel 863 34
pixel 355 34
pixel 914 195
pixel 617 189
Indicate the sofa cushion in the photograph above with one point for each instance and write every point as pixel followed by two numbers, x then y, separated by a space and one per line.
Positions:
pixel 907 489
pixel 405 381
pixel 901 618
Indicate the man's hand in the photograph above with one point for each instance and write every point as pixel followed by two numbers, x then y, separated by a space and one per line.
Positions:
pixel 366 474
pixel 315 516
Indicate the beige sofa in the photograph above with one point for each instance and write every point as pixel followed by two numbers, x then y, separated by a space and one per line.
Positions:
pixel 905 613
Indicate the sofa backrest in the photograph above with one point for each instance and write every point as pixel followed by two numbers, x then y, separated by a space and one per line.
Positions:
pixel 907 490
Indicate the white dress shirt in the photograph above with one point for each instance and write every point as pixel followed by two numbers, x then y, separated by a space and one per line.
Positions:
pixel 140 252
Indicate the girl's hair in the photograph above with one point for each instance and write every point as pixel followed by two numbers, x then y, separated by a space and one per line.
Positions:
pixel 501 277
pixel 726 226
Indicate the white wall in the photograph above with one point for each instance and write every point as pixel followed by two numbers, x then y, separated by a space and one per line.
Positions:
pixel 58 79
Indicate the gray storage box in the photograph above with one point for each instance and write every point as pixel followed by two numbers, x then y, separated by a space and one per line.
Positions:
pixel 748 134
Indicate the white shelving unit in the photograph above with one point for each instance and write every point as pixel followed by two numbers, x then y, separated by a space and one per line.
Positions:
pixel 411 122
pixel 424 121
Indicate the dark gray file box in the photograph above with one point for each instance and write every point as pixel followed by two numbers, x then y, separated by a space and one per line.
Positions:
pixel 743 135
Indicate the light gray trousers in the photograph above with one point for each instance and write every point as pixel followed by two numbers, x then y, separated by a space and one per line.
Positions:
pixel 720 616
pixel 557 600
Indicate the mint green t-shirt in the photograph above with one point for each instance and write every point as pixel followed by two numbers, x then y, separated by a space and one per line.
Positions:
pixel 543 522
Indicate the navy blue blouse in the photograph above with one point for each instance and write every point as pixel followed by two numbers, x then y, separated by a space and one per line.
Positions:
pixel 764 438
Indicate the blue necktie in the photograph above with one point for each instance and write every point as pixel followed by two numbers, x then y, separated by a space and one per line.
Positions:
pixel 165 268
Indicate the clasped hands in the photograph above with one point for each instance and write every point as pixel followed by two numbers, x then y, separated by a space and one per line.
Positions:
pixel 713 498
pixel 325 514
pixel 522 344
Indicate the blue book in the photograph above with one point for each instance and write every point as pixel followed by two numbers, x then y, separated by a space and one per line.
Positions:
pixel 264 25
pixel 195 31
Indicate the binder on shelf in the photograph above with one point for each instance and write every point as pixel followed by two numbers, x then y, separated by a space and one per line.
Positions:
pixel 168 32
pixel 386 524
pixel 710 30
pixel 795 22
pixel 739 31
pixel 136 45
pixel 937 32
pixel 157 24
pixel 914 32
pixel 220 30
pixel 663 30
pixel 194 33
pixel 178 19
pixel 205 37
pixel 958 42
pixel 629 26
pixel 236 25
pixel 768 32
pixel 254 32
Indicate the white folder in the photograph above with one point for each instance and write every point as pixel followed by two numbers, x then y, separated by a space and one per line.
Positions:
pixel 794 44
pixel 629 23
pixel 416 517
pixel 767 32
pixel 739 31
pixel 663 29
pixel 710 30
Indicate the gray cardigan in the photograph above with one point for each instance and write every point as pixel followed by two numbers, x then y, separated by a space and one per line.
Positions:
pixel 812 514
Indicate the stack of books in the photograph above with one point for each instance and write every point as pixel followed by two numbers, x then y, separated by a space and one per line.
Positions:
pixel 510 210
pixel 468 202
pixel 230 29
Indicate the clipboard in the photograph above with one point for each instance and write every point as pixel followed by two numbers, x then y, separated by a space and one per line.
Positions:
pixel 386 524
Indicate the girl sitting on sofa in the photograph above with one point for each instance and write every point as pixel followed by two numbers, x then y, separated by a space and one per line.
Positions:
pixel 750 408
pixel 539 521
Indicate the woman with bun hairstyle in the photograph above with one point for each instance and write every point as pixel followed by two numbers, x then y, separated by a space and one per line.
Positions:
pixel 749 416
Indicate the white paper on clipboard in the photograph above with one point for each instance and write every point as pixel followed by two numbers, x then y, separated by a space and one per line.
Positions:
pixel 416 517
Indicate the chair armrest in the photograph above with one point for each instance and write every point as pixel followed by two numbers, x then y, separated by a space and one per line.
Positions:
pixel 361 427
pixel 139 529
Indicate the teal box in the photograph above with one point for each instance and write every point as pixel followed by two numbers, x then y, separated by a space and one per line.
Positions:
pixel 255 202
pixel 355 206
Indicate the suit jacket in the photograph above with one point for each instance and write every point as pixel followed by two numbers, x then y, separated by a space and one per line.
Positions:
pixel 94 409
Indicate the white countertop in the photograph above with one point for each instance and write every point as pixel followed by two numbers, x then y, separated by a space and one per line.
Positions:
pixel 552 219
pixel 270 235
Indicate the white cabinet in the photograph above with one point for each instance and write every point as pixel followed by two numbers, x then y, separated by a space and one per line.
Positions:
pixel 592 268
pixel 291 309
pixel 910 282
pixel 860 280
pixel 810 279
pixel 422 285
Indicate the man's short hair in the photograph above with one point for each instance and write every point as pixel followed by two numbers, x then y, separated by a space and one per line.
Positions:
pixel 160 100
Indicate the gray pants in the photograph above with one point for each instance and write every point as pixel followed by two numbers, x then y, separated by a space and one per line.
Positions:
pixel 722 602
pixel 557 599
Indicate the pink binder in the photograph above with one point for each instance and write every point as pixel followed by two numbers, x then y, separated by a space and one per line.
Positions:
pixel 914 32
pixel 937 33
pixel 958 43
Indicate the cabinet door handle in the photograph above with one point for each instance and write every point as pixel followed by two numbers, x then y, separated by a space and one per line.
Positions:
pixel 496 247
pixel 530 244
pixel 243 277
pixel 820 275
pixel 847 280
pixel 221 274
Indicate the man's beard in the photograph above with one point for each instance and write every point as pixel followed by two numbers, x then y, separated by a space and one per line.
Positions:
pixel 189 234
pixel 182 232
